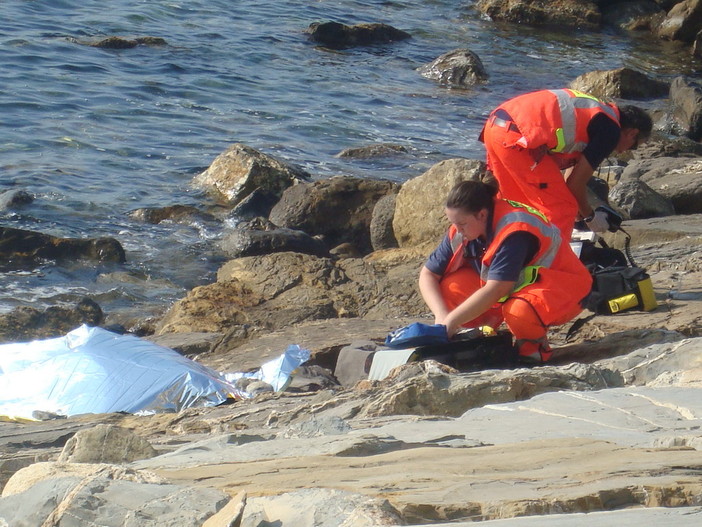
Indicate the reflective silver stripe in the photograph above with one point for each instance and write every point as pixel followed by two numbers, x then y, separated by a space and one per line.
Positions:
pixel 567 105
pixel 547 230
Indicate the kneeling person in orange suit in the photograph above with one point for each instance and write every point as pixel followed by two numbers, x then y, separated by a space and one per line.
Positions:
pixel 502 261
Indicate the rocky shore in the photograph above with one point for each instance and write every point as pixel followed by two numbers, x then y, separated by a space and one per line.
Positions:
pixel 609 432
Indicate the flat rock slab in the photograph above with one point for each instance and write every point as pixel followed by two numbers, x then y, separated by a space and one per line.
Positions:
pixel 558 452
pixel 680 517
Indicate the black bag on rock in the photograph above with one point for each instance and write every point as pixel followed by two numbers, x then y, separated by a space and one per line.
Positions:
pixel 617 289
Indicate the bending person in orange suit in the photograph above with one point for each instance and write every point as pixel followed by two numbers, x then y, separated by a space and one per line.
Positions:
pixel 532 138
pixel 502 261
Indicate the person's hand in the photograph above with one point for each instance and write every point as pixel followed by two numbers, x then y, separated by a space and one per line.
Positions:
pixel 598 221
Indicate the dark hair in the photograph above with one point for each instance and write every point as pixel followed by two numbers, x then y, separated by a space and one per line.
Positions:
pixel 471 196
pixel 635 117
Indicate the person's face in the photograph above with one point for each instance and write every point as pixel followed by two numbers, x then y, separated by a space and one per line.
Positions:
pixel 470 225
pixel 629 139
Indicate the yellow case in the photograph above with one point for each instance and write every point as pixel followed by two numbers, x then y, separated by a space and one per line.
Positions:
pixel 648 299
pixel 623 302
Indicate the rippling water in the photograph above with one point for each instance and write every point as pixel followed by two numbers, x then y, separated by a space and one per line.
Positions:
pixel 95 133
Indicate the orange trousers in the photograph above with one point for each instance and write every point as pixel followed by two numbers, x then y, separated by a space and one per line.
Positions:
pixel 519 313
pixel 526 178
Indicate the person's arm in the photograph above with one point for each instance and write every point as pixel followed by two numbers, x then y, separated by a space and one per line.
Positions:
pixel 577 184
pixel 476 304
pixel 431 293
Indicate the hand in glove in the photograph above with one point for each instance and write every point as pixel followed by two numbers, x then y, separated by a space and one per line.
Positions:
pixel 598 221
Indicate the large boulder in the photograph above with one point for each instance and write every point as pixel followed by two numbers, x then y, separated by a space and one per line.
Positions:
pixel 682 22
pixel 273 291
pixel 241 170
pixel 460 68
pixel 419 210
pixel 21 247
pixel 676 179
pixel 561 13
pixel 339 36
pixel 631 16
pixel 621 83
pixel 686 101
pixel 638 200
pixel 339 209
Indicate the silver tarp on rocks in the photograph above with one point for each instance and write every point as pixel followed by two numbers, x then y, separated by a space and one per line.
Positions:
pixel 92 370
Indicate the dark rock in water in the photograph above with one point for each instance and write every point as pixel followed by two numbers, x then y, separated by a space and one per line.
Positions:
pixel 14 198
pixel 554 13
pixel 371 151
pixel 682 22
pixel 18 246
pixel 116 42
pixel 338 36
pixel 459 68
pixel 257 204
pixel 174 213
pixel 24 324
pixel 262 237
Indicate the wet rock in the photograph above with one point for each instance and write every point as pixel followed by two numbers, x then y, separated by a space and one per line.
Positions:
pixel 561 13
pixel 686 101
pixel 631 16
pixel 460 68
pixel 372 151
pixel 257 204
pixel 621 83
pixel 335 35
pixel 106 444
pixel 263 237
pixel 241 170
pixel 174 213
pixel 682 22
pixel 21 247
pixel 24 324
pixel 419 209
pixel 11 199
pixel 339 209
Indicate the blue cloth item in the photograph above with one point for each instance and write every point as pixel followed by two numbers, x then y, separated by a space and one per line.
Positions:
pixel 417 334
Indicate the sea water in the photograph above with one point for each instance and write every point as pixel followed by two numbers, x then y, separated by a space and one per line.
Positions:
pixel 93 133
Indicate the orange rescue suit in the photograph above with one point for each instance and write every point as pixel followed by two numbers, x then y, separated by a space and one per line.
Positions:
pixel 551 287
pixel 531 138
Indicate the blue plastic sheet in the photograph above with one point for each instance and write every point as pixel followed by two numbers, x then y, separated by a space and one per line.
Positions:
pixel 92 370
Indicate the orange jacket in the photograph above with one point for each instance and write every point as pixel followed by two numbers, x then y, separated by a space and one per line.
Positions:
pixel 554 280
pixel 557 119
